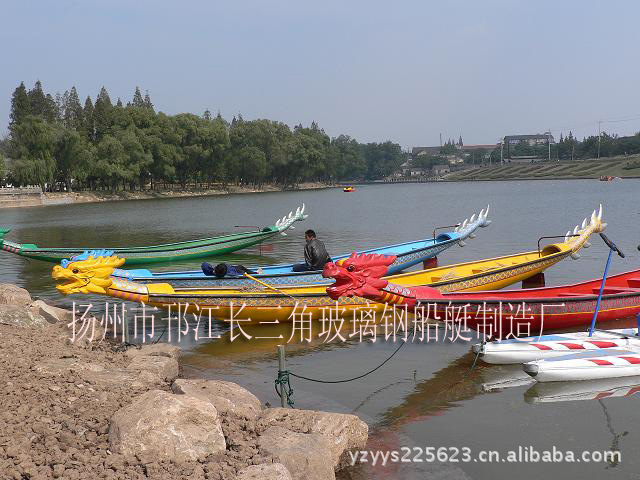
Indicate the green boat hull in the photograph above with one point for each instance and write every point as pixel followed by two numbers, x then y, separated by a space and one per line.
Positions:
pixel 202 248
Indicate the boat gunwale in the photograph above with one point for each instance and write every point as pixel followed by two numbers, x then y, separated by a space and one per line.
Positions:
pixel 538 289
pixel 189 244
pixel 287 274
pixel 240 293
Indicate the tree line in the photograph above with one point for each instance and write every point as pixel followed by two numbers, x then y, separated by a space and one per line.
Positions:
pixel 59 143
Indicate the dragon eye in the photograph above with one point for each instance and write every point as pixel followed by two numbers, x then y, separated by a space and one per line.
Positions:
pixel 351 268
pixel 75 270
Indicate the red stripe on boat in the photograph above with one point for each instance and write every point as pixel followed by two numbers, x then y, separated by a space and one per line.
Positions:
pixel 598 361
pixel 602 395
pixel 633 391
pixel 541 347
pixel 602 344
pixel 572 346
pixel 634 360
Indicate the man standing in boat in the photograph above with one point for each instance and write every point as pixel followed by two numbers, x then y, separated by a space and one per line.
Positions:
pixel 315 254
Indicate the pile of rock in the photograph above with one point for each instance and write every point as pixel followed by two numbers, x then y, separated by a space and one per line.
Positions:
pixel 90 409
pixel 203 418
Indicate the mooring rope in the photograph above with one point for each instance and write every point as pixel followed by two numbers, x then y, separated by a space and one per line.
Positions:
pixel 283 381
pixel 354 378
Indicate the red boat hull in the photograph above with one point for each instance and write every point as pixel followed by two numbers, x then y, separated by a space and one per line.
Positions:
pixel 531 311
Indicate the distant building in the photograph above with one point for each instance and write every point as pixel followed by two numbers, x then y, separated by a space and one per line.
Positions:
pixel 470 148
pixel 536 139
pixel 439 170
pixel 419 151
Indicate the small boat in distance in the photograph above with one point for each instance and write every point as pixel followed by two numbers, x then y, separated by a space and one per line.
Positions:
pixel 608 178
pixel 349 188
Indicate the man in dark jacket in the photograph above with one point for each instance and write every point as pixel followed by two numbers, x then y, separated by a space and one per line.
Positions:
pixel 315 254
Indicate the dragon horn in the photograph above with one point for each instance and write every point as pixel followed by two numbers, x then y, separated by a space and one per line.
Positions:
pixel 575 230
pixel 584 223
pixel 594 218
pixel 464 224
pixel 566 237
pixel 600 213
pixel 473 217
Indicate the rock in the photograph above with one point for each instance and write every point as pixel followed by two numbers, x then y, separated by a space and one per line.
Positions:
pixel 51 314
pixel 227 397
pixel 170 427
pixel 19 316
pixel 157 349
pixel 344 432
pixel 14 295
pixel 164 367
pixel 303 454
pixel 97 374
pixel 265 471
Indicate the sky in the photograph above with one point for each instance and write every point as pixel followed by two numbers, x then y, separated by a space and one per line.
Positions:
pixel 405 71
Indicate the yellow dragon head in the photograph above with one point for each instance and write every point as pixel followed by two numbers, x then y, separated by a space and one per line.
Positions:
pixel 87 275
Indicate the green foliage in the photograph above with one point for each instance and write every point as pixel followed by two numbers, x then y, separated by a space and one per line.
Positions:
pixel 63 144
pixel 33 144
pixel 631 165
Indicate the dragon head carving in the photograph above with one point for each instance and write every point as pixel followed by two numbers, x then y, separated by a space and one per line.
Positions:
pixel 358 275
pixel 86 275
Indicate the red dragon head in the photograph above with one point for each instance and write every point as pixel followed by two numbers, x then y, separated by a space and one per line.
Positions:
pixel 358 275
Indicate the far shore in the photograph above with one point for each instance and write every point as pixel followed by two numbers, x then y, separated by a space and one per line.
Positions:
pixel 62 198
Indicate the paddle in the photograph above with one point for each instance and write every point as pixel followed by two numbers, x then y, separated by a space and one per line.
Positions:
pixel 612 248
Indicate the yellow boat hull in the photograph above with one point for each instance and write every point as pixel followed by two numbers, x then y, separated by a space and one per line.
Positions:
pixel 264 305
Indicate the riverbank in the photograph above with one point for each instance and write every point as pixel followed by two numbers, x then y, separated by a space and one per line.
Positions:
pixel 622 167
pixel 84 409
pixel 20 199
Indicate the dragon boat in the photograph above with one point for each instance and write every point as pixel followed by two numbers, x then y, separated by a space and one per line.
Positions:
pixel 534 310
pixel 262 302
pixel 205 247
pixel 407 255
pixel 511 312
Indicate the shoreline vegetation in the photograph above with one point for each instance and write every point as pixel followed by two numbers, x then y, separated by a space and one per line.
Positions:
pixel 100 409
pixel 62 146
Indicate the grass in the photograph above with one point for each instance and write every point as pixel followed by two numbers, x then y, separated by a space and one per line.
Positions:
pixel 615 167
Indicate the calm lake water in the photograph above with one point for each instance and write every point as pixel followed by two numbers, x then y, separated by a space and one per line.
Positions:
pixel 425 396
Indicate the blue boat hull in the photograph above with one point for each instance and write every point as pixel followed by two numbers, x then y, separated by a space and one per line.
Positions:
pixel 407 255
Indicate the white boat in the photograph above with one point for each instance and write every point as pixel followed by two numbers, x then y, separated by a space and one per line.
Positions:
pixel 587 365
pixel 527 349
